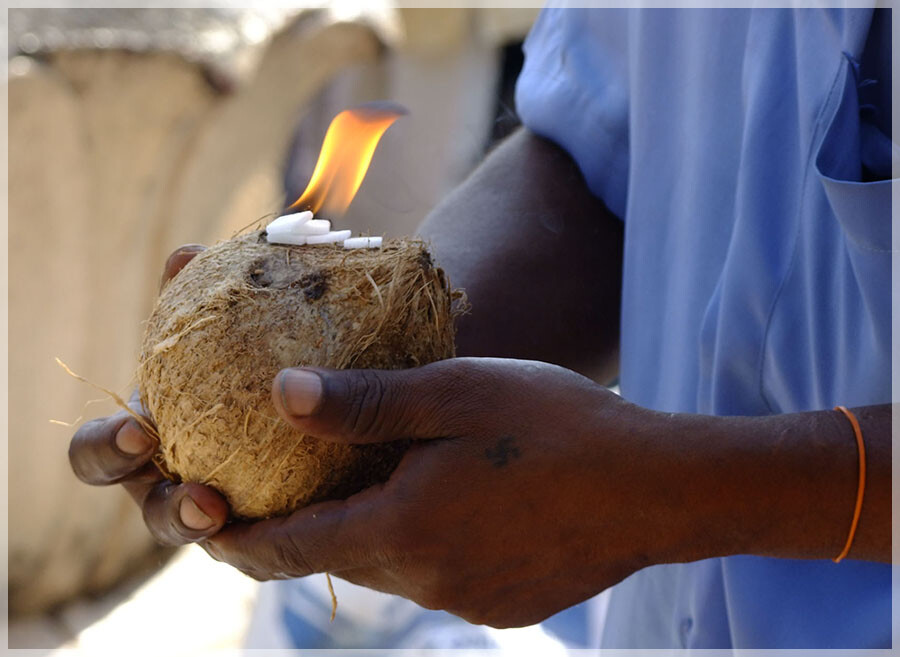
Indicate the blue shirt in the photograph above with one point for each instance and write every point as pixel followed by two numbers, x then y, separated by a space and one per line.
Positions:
pixel 738 146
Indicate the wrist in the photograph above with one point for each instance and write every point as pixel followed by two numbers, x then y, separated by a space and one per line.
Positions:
pixel 779 485
pixel 659 467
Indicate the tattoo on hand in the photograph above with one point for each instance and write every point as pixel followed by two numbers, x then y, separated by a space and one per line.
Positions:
pixel 503 451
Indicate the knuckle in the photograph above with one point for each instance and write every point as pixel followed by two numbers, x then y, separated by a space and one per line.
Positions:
pixel 366 398
pixel 479 612
pixel 437 590
pixel 290 559
pixel 431 600
pixel 453 390
pixel 428 603
pixel 86 450
pixel 481 617
pixel 160 533
pixel 157 532
pixel 161 515
pixel 435 599
pixel 475 617
pixel 459 373
pixel 76 459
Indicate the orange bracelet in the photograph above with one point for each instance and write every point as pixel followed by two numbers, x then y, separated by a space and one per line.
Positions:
pixel 861 489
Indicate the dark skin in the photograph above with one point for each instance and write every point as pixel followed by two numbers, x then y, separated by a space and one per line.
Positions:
pixel 533 487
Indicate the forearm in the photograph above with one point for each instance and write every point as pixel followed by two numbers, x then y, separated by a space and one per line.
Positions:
pixel 538 256
pixel 783 485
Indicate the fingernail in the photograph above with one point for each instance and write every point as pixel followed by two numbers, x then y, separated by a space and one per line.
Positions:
pixel 301 391
pixel 187 248
pixel 132 440
pixel 179 254
pixel 192 516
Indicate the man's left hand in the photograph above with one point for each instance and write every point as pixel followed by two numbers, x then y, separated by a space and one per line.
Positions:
pixel 524 492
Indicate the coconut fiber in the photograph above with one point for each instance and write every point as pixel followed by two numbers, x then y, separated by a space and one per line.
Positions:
pixel 243 310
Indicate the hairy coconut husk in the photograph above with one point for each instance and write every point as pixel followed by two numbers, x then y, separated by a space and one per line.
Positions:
pixel 243 310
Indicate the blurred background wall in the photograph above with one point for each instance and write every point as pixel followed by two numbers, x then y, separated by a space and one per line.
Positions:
pixel 132 131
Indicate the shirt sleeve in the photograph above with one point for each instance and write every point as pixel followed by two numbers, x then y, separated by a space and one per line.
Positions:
pixel 573 90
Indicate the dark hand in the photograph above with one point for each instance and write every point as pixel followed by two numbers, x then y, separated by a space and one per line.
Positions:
pixel 116 450
pixel 510 508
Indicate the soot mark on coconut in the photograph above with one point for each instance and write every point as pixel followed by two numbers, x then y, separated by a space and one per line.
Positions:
pixel 503 452
pixel 260 274
pixel 313 284
pixel 265 273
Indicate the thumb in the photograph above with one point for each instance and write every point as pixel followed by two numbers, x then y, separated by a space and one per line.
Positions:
pixel 369 406
pixel 177 261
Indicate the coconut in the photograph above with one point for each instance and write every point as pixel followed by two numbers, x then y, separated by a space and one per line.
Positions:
pixel 245 309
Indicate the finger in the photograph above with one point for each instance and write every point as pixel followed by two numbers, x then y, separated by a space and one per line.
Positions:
pixel 140 482
pixel 325 537
pixel 182 513
pixel 367 406
pixel 107 450
pixel 179 258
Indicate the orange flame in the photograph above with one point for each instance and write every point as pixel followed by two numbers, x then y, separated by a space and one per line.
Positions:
pixel 345 157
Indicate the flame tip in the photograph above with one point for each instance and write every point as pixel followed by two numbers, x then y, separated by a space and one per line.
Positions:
pixel 378 109
pixel 347 150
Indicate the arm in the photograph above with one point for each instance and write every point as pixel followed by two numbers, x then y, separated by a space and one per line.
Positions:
pixel 532 488
pixel 507 446
pixel 539 256
pixel 502 236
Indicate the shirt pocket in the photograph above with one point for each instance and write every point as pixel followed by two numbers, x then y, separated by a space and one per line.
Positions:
pixel 829 337
pixel 862 209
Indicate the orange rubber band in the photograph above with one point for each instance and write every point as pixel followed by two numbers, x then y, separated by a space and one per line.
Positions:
pixel 861 489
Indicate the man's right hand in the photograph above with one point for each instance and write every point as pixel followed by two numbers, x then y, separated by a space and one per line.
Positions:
pixel 117 450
